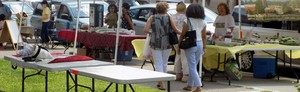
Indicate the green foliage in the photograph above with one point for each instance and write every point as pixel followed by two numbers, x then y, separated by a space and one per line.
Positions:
pixel 11 81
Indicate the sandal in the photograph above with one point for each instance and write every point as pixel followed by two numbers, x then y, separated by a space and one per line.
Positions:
pixel 187 88
pixel 197 90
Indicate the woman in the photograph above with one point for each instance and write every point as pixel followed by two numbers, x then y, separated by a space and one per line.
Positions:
pixel 45 24
pixel 223 22
pixel 126 18
pixel 180 67
pixel 112 16
pixel 159 42
pixel 195 20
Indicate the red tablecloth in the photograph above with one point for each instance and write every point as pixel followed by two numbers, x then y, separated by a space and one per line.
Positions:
pixel 100 40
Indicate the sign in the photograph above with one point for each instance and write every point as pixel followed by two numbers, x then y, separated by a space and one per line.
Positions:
pixel 10 33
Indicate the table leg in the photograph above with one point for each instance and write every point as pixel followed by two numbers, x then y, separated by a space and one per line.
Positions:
pixel 291 63
pixel 23 79
pixel 131 88
pixel 67 80
pixel 276 69
pixel 76 83
pixel 124 87
pixel 169 86
pixel 117 88
pixel 93 85
pixel 108 87
pixel 46 82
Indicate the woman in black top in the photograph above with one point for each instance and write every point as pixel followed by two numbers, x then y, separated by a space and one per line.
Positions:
pixel 126 18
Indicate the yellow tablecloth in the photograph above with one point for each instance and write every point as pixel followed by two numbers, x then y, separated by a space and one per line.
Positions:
pixel 211 56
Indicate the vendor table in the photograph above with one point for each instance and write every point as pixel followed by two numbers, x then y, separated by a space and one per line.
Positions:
pixel 213 49
pixel 51 67
pixel 122 75
pixel 92 39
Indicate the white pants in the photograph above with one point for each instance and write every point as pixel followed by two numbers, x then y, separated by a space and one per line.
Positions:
pixel 161 59
pixel 181 65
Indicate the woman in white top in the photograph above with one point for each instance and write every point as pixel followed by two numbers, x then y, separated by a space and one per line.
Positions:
pixel 195 20
pixel 180 67
pixel 223 22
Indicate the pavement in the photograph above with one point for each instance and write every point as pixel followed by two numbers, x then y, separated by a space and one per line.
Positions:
pixel 247 84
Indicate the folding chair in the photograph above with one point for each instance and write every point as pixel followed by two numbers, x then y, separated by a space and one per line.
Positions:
pixel 138 45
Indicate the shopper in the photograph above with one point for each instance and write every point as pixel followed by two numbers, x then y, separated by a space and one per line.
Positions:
pixel 45 24
pixel 180 67
pixel 195 20
pixel 224 22
pixel 4 9
pixel 126 17
pixel 111 18
pixel 160 23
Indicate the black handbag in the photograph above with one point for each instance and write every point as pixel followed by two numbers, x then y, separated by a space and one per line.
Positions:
pixel 173 38
pixel 189 39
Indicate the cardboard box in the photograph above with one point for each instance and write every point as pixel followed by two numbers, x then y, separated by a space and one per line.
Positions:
pixel 82 51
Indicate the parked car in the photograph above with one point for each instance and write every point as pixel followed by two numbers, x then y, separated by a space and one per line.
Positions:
pixel 16 7
pixel 130 2
pixel 143 12
pixel 141 2
pixel 65 14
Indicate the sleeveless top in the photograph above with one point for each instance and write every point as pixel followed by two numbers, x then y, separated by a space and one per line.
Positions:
pixel 113 19
pixel 160 28
pixel 125 23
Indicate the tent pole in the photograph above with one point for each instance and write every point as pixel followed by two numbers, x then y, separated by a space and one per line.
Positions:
pixel 240 19
pixel 77 26
pixel 117 32
pixel 20 26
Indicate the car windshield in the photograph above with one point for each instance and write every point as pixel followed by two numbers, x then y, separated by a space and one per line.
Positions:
pixel 209 18
pixel 17 7
pixel 84 10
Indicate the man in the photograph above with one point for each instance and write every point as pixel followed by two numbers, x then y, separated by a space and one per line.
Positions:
pixel 4 9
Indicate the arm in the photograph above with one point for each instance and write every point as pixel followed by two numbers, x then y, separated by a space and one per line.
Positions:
pixel 203 32
pixel 184 30
pixel 129 21
pixel 106 18
pixel 173 25
pixel 148 25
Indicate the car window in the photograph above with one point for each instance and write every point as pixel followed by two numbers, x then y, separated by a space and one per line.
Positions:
pixel 64 12
pixel 17 7
pixel 84 10
pixel 134 12
pixel 144 14
pixel 38 10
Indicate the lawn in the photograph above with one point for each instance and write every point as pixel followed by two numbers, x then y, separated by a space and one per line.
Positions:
pixel 11 81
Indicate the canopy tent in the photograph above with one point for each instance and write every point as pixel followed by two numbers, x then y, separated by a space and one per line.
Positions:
pixel 117 32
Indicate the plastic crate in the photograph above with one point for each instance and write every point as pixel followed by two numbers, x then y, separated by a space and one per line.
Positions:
pixel 264 67
pixel 124 55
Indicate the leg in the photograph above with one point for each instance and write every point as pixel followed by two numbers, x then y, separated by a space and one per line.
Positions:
pixel 157 56
pixel 76 83
pixel 117 87
pixel 46 82
pixel 23 79
pixel 93 85
pixel 124 87
pixel 165 57
pixel 169 86
pixel 67 80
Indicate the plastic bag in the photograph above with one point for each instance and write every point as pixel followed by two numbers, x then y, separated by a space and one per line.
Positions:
pixel 147 50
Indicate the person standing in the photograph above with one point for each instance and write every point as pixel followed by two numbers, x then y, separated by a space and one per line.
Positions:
pixel 126 17
pixel 195 21
pixel 4 9
pixel 112 16
pixel 224 22
pixel 159 42
pixel 180 67
pixel 45 24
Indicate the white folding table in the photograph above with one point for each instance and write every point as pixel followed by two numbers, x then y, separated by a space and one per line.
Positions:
pixel 121 75
pixel 51 67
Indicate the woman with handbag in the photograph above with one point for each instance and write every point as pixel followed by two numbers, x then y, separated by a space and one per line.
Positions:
pixel 161 24
pixel 196 25
pixel 180 66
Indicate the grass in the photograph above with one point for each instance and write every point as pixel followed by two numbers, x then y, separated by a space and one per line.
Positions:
pixel 11 81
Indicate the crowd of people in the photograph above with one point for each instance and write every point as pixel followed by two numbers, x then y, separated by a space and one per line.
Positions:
pixel 186 19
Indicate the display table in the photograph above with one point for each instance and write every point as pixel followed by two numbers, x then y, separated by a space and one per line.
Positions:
pixel 122 75
pixel 92 39
pixel 213 51
pixel 51 67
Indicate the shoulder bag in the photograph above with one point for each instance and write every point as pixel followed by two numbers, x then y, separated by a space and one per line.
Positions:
pixel 189 39
pixel 173 38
